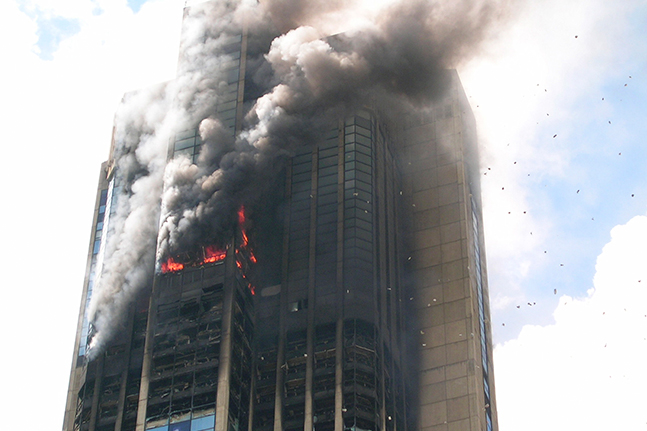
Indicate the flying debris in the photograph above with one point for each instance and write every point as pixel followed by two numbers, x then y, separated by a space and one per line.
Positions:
pixel 575 36
pixel 554 136
pixel 554 291
pixel 561 264
pixel 578 191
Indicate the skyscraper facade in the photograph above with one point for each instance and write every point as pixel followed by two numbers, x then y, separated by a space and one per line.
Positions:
pixel 351 295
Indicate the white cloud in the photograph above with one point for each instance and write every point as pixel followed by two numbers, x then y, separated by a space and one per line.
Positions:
pixel 587 370
pixel 57 120
pixel 527 85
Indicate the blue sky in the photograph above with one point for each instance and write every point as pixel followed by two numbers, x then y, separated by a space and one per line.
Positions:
pixel 72 62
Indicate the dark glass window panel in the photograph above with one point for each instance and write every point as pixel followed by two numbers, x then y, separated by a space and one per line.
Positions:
pixel 327 199
pixel 228 105
pixel 229 114
pixel 328 171
pixel 363 122
pixel 304 176
pixel 185 134
pixel 302 187
pixel 361 185
pixel 326 209
pixel 329 179
pixel 301 195
pixel 302 159
pixel 363 140
pixel 363 131
pixel 301 168
pixel 330 152
pixel 331 134
pixel 363 158
pixel 327 189
pixel 327 218
pixel 184 143
pixel 327 229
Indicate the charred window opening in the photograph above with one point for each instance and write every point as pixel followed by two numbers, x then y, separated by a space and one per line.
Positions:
pixel 185 362
pixel 265 390
pixel 360 378
pixel 295 306
pixel 240 359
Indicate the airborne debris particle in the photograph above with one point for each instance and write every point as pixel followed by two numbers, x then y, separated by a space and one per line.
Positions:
pixel 554 290
pixel 554 136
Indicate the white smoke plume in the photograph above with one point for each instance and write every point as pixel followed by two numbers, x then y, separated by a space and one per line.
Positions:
pixel 298 79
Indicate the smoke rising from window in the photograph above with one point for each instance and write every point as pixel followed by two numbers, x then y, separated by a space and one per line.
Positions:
pixel 298 77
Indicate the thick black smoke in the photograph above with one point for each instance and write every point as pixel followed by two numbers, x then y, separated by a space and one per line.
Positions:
pixel 300 79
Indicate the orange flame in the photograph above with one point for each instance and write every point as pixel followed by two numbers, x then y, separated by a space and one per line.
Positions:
pixel 171 266
pixel 212 254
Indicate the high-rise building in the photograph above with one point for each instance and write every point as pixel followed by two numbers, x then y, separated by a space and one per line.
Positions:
pixel 355 299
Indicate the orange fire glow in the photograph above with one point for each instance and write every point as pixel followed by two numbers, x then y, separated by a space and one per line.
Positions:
pixel 171 266
pixel 212 254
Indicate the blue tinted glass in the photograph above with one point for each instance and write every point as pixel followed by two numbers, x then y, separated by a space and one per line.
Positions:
pixel 181 426
pixel 164 428
pixel 205 423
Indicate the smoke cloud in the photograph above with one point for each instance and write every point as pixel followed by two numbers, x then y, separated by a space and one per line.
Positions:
pixel 298 80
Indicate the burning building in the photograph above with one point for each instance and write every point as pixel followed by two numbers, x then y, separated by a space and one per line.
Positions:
pixel 288 237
